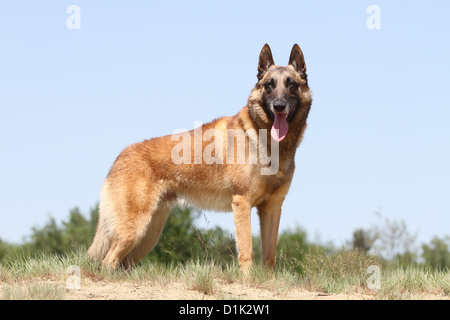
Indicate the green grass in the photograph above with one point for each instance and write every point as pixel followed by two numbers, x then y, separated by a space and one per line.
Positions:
pixel 404 283
pixel 201 276
pixel 344 272
pixel 33 291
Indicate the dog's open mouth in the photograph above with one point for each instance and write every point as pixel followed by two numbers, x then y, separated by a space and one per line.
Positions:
pixel 280 125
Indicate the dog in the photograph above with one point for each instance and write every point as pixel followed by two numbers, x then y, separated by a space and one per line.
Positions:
pixel 151 177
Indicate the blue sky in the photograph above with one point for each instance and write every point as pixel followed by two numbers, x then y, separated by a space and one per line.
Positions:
pixel 378 132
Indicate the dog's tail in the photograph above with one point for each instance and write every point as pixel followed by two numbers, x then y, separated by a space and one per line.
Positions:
pixel 101 244
pixel 102 239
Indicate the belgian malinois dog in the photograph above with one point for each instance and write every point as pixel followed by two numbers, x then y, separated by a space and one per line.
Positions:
pixel 208 170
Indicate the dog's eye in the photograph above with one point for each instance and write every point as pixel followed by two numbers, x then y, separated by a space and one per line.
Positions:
pixel 292 85
pixel 269 84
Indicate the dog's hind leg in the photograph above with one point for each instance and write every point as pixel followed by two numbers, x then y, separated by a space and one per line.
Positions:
pixel 135 206
pixel 153 232
pixel 120 246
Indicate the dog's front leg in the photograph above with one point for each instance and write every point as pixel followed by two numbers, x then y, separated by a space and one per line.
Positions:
pixel 269 217
pixel 242 212
pixel 269 213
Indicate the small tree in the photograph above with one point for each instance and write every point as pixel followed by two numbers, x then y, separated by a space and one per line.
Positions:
pixel 437 254
pixel 48 239
pixel 392 239
pixel 362 240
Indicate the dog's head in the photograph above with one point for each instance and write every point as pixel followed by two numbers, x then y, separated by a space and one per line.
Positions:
pixel 282 93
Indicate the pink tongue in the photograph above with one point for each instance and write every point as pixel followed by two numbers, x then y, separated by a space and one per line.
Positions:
pixel 279 127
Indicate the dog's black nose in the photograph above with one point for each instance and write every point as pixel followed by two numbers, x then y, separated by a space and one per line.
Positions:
pixel 279 107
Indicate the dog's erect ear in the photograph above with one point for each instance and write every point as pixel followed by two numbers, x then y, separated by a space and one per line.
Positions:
pixel 265 61
pixel 297 60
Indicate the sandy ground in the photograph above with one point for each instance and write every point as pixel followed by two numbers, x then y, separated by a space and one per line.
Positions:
pixel 180 291
pixel 128 290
